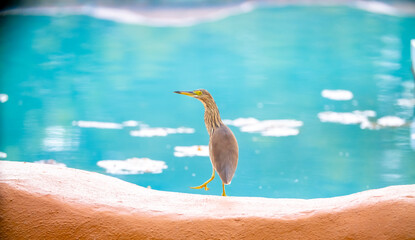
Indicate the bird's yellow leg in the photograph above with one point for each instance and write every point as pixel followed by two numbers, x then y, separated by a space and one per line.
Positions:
pixel 223 187
pixel 204 185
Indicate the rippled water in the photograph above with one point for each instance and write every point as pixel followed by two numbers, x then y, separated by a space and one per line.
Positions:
pixel 82 91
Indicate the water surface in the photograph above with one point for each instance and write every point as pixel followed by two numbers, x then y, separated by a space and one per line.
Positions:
pixel 268 64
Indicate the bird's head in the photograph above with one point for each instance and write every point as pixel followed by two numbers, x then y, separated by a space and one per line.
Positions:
pixel 200 94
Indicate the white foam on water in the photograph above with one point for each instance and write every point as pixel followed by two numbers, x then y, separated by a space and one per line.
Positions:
pixel 355 117
pixel 59 138
pixel 191 151
pixel 184 17
pixel 149 132
pixel 387 78
pixel 409 85
pixel 4 98
pixel 271 124
pixel 390 39
pixel 391 176
pixel 397 9
pixel 132 166
pixel 160 132
pixel 95 124
pixel 391 121
pixel 51 162
pixel 404 102
pixel 389 65
pixel 339 95
pixel 274 128
pixel 157 17
pixel 3 155
pixel 239 122
pixel 376 7
pixel 131 123
pixel 362 118
pixel 280 132
pixel 144 131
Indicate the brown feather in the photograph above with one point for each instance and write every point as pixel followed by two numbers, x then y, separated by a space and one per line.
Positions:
pixel 223 147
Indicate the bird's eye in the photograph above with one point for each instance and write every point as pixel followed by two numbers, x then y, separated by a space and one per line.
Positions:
pixel 198 92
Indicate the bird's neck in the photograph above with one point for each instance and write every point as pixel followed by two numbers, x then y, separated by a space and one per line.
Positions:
pixel 212 116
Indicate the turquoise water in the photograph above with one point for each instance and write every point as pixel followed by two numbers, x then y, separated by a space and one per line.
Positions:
pixel 268 64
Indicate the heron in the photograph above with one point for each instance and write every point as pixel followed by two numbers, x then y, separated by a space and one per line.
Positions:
pixel 223 147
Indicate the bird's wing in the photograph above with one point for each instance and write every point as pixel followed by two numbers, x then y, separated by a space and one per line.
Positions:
pixel 223 149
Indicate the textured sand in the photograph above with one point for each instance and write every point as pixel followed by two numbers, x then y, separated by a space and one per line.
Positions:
pixel 53 202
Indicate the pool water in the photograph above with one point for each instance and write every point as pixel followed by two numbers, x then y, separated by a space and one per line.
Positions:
pixel 72 82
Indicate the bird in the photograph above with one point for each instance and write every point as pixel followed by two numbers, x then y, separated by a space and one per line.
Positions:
pixel 223 147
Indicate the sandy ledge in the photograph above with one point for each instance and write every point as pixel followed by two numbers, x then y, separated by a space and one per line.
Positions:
pixel 52 202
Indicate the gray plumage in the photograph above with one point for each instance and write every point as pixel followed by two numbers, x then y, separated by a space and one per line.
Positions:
pixel 223 147
pixel 223 152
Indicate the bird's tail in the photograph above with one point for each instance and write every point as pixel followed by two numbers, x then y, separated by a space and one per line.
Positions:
pixel 227 176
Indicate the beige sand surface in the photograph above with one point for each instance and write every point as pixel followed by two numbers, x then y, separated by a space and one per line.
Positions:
pixel 51 202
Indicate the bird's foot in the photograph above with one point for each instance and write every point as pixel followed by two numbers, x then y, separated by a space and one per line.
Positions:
pixel 200 187
pixel 204 185
pixel 223 190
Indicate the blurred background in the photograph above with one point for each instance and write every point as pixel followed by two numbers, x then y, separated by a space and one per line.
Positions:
pixel 319 94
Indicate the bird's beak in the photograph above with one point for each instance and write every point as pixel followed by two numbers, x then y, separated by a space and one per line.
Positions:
pixel 187 93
